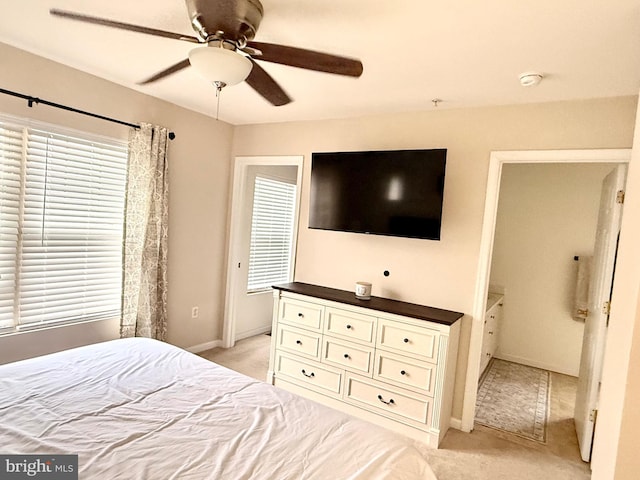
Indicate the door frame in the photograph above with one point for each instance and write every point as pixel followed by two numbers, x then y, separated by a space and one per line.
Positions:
pixel 241 165
pixel 496 161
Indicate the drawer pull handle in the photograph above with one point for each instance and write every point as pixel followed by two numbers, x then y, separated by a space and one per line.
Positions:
pixel 402 372
pixel 346 355
pixel 490 333
pixel 348 327
pixel 488 354
pixel 301 314
pixel 299 342
pixel 310 375
pixel 390 402
pixel 405 340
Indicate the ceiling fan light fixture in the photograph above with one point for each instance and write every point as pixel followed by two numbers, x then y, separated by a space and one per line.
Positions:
pixel 221 65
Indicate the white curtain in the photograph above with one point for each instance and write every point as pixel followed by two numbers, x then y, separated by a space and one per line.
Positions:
pixel 144 299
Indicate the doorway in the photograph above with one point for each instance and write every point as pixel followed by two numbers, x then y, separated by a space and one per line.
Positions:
pixel 497 160
pixel 547 220
pixel 263 188
pixel 545 229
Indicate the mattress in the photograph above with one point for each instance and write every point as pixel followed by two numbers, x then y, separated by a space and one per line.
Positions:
pixel 142 409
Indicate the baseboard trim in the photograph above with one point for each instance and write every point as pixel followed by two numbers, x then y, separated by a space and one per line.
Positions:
pixel 535 364
pixel 455 423
pixel 204 346
pixel 253 333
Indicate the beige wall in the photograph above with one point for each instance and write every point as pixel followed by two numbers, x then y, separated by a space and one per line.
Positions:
pixel 547 214
pixel 441 274
pixel 628 460
pixel 437 273
pixel 199 192
pixel 616 443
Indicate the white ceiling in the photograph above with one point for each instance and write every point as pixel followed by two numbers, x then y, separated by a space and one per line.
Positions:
pixel 466 52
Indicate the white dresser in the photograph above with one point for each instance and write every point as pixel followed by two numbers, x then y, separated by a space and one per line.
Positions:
pixel 390 362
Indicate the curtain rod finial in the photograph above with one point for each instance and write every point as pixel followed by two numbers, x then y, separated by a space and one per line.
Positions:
pixel 172 135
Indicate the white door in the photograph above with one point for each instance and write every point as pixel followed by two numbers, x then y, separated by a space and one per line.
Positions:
pixel 248 310
pixel 265 256
pixel 595 328
pixel 252 310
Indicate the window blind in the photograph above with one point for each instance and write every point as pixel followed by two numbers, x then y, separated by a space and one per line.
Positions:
pixel 271 233
pixel 67 245
pixel 11 152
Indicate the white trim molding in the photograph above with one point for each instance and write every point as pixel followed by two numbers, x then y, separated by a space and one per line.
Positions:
pixel 233 251
pixel 456 423
pixel 496 161
pixel 204 346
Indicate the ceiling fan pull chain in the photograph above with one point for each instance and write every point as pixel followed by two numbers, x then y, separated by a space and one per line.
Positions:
pixel 218 86
pixel 218 93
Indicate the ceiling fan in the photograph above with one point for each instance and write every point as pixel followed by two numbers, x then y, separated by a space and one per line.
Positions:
pixel 226 29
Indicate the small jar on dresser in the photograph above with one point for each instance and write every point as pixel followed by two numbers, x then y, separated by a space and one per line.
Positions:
pixel 390 362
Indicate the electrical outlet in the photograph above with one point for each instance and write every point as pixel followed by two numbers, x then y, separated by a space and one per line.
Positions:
pixel 195 311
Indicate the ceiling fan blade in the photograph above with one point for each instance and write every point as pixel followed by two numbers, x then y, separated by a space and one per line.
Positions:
pixel 123 26
pixel 308 59
pixel 166 72
pixel 266 86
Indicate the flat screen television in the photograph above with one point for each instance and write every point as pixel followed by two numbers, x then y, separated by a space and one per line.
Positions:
pixel 390 192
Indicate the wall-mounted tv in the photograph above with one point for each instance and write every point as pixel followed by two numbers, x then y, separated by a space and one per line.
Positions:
pixel 390 192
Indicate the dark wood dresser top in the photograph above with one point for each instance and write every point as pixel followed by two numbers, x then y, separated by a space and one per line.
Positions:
pixel 413 310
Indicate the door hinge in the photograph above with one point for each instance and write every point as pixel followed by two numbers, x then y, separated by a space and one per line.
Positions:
pixel 620 196
pixel 593 414
pixel 606 308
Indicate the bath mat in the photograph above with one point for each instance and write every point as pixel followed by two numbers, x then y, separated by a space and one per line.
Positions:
pixel 514 398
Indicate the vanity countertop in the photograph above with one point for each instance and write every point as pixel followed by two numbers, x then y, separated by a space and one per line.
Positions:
pixel 493 298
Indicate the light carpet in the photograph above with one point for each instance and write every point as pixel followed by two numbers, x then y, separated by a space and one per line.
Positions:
pixel 514 398
pixel 250 356
pixel 484 454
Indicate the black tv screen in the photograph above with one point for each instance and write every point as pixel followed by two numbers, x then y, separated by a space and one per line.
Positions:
pixel 391 192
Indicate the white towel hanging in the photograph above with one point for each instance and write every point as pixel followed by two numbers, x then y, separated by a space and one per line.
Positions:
pixel 583 277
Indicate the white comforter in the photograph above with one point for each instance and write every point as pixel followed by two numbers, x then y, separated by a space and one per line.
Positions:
pixel 142 409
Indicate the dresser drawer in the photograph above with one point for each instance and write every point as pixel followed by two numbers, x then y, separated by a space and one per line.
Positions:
pixel 385 399
pixel 299 341
pixel 376 360
pixel 350 356
pixel 301 314
pixel 408 339
pixel 310 374
pixel 405 372
pixel 350 325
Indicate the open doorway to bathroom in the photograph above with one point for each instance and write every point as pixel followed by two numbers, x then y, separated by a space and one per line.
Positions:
pixel 545 218
pixel 546 222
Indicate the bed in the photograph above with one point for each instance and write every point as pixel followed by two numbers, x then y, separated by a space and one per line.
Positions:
pixel 142 409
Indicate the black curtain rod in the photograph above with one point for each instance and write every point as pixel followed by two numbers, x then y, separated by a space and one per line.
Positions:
pixel 31 100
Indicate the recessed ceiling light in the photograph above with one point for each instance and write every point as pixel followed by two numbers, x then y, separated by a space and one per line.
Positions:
pixel 530 79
